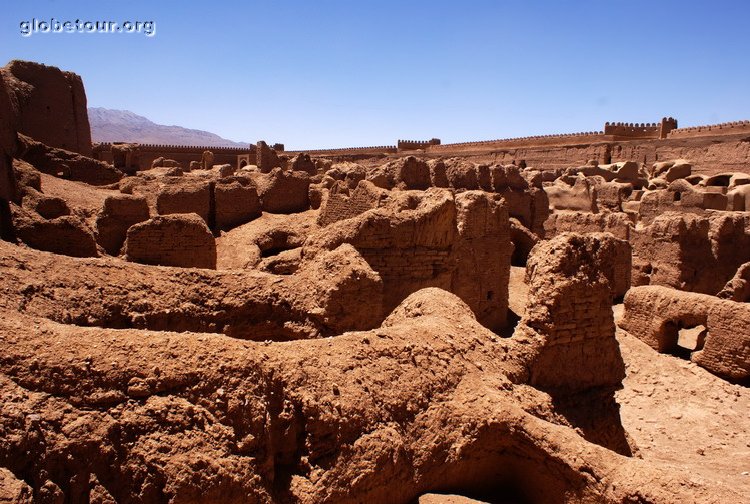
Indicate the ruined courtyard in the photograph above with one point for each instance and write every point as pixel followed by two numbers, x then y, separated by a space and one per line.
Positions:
pixel 552 319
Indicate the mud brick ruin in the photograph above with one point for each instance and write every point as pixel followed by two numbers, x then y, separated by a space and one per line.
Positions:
pixel 656 314
pixel 558 318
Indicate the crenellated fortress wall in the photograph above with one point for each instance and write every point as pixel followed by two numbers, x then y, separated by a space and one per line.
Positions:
pixel 618 141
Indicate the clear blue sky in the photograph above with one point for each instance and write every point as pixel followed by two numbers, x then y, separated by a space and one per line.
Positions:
pixel 353 73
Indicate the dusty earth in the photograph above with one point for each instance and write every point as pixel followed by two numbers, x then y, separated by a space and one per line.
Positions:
pixel 680 414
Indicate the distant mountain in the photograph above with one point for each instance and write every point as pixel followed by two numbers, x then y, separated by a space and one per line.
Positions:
pixel 109 125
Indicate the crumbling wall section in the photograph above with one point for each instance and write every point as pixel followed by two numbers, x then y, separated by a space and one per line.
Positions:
pixel 616 223
pixel 52 105
pixel 433 239
pixel 482 253
pixel 332 294
pixel 67 235
pixel 691 252
pixel 569 328
pixel 236 202
pixel 66 164
pixel 338 206
pixel 179 197
pixel 8 146
pixel 283 191
pixel 571 283
pixel 655 315
pixel 115 218
pixel 738 288
pixel 680 196
pixel 266 158
pixel 182 240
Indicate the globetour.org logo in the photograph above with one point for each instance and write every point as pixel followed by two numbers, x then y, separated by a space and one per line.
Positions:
pixel 34 25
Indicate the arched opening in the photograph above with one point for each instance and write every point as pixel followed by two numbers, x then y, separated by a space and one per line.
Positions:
pixel 683 337
pixel 719 180
pixel 689 340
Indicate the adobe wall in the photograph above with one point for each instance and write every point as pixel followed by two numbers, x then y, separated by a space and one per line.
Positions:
pixel 66 164
pixel 8 141
pixel 282 191
pixel 648 130
pixel 348 151
pixel 181 240
pixel 571 280
pixel 339 206
pixel 715 150
pixel 651 130
pixel 521 142
pixel 482 253
pixel 185 154
pixel 728 128
pixel 738 287
pixel 230 201
pixel 655 315
pixel 432 238
pixel 118 213
pixel 708 154
pixel 616 223
pixel 183 197
pixel 235 203
pixel 266 158
pixel 51 105
pixel 691 252
pixel 49 207
pixel 143 155
pixel 405 145
pixel 526 203
pixel 568 321
pixel 601 224
pixel 679 196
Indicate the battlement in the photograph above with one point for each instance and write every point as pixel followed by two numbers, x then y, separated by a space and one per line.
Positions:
pixel 644 130
pixel 132 156
pixel 727 128
pixel 171 147
pixel 613 131
pixel 416 144
pixel 641 130
pixel 515 142
pixel 377 149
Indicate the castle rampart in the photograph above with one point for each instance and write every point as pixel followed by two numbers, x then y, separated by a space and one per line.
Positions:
pixel 727 128
pixel 617 141
pixel 416 144
pixel 374 150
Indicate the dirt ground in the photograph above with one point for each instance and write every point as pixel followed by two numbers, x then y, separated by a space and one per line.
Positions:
pixel 680 414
